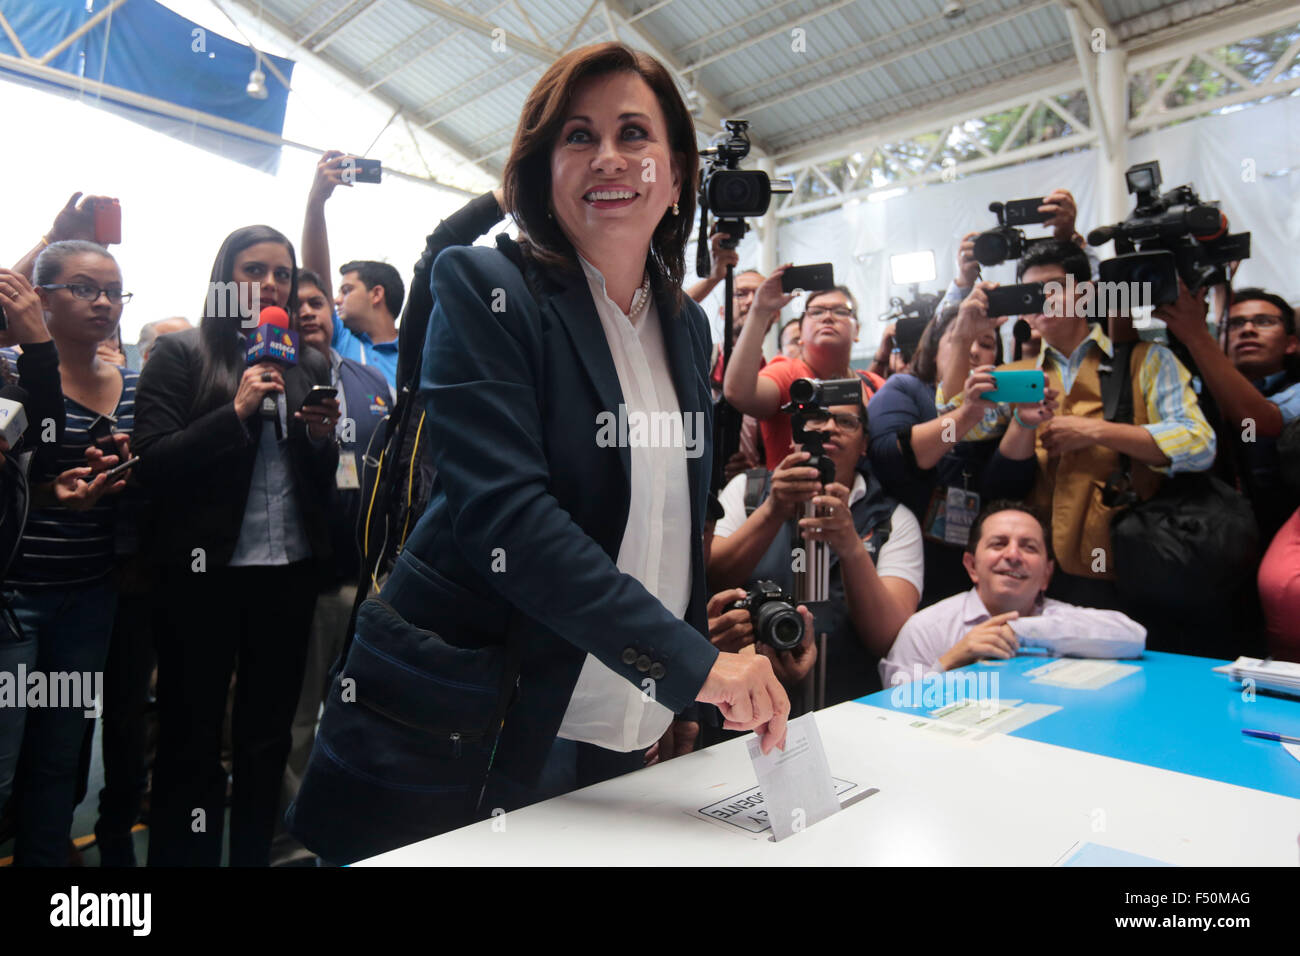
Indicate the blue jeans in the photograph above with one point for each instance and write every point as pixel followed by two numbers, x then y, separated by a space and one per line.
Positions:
pixel 71 628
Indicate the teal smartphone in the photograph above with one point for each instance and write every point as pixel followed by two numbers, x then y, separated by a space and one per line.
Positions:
pixel 1017 387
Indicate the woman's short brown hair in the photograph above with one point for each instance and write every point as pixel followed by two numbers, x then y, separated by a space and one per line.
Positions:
pixel 527 179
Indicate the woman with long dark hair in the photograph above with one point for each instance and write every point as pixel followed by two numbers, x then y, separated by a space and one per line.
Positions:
pixel 240 497
pixel 556 581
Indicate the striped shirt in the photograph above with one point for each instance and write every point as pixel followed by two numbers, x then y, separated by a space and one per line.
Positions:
pixel 61 547
pixel 1177 423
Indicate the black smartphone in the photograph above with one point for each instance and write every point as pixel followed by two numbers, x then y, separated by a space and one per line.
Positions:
pixel 1024 212
pixel 4 320
pixel 116 470
pixel 101 434
pixel 365 170
pixel 1027 298
pixel 318 394
pixel 812 278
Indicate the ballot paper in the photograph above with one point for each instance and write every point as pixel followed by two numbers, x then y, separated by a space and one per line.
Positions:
pixel 977 719
pixel 796 782
pixel 1280 676
pixel 1292 749
pixel 1080 674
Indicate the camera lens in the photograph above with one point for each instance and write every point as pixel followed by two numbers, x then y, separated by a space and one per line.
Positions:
pixel 803 391
pixel 991 248
pixel 779 625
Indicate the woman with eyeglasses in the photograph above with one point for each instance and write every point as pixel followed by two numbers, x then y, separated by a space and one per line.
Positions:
pixel 60 587
pixel 241 494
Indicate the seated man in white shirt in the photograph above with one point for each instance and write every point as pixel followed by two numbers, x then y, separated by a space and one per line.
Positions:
pixel 876 561
pixel 1009 559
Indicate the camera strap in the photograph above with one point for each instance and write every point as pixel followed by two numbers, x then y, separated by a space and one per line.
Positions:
pixel 1117 406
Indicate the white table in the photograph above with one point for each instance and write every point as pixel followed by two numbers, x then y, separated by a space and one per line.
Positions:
pixel 943 801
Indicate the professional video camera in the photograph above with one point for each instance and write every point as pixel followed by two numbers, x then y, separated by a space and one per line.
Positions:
pixel 910 319
pixel 776 622
pixel 1005 241
pixel 1168 235
pixel 730 195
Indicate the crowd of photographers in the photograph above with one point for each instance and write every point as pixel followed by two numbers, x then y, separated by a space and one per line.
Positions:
pixel 944 527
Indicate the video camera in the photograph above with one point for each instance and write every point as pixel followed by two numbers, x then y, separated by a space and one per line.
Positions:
pixel 910 320
pixel 1005 241
pixel 731 194
pixel 810 400
pixel 1169 235
pixel 776 622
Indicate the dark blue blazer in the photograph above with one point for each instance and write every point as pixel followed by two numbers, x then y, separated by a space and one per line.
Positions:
pixel 519 541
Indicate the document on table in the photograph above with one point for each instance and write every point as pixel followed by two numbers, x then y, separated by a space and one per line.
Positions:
pixel 979 718
pixel 1080 674
pixel 796 782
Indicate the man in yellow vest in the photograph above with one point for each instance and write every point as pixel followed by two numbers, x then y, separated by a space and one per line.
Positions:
pixel 1076 449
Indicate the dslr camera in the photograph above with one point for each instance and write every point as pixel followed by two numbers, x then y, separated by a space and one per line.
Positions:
pixel 776 622
pixel 810 400
pixel 1006 241
pixel 1168 235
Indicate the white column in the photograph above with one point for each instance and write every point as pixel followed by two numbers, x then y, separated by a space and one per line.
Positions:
pixel 1112 88
pixel 767 247
pixel 767 252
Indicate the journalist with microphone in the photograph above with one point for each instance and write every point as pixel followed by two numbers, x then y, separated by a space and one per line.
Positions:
pixel 555 584
pixel 241 473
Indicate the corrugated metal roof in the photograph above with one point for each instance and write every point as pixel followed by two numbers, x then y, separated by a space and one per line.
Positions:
pixel 802 71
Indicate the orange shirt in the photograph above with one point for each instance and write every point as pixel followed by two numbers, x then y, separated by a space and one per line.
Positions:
pixel 778 440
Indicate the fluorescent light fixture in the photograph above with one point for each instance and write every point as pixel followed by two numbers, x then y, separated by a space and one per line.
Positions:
pixel 912 267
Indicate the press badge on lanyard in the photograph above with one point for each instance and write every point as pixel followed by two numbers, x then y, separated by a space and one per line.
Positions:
pixel 345 476
pixel 960 509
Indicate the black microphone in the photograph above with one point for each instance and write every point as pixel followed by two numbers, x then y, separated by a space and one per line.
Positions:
pixel 1102 235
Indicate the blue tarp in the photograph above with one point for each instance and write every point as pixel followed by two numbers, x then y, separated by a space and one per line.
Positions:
pixel 145 48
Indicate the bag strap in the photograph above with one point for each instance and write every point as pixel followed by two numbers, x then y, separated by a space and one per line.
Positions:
pixel 1117 406
pixel 756 482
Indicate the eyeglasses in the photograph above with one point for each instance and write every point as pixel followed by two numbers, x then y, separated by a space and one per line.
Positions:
pixel 840 312
pixel 91 292
pixel 1238 322
pixel 843 420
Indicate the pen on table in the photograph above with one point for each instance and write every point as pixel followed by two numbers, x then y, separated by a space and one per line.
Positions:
pixel 1270 735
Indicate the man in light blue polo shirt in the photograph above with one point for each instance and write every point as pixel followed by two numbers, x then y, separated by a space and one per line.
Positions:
pixel 365 321
pixel 370 293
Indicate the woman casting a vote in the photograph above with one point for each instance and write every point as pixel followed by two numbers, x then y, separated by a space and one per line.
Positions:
pixel 579 566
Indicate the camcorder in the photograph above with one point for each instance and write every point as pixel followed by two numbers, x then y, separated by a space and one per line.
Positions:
pixel 811 400
pixel 730 195
pixel 1006 240
pixel 910 320
pixel 776 622
pixel 1168 235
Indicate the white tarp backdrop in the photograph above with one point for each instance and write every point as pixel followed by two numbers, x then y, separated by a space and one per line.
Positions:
pixel 1262 196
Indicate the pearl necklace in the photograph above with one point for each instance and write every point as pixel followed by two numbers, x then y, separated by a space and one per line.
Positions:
pixel 640 302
